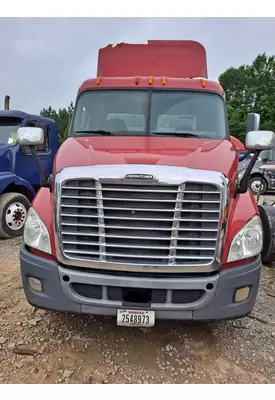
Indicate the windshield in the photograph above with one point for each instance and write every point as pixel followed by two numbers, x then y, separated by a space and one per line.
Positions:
pixel 140 112
pixel 8 128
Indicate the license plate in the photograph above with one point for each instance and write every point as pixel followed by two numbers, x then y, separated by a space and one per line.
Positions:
pixel 135 318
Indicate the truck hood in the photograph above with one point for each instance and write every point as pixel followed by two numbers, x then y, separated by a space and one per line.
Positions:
pixel 207 154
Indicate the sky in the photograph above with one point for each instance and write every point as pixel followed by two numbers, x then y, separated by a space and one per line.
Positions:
pixel 45 60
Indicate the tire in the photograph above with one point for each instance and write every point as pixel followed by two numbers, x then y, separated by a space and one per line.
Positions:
pixel 254 185
pixel 267 214
pixel 13 212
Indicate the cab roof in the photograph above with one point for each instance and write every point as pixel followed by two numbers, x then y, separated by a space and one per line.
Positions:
pixel 24 115
pixel 151 82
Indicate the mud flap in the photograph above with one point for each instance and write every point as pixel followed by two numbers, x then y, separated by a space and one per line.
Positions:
pixel 267 214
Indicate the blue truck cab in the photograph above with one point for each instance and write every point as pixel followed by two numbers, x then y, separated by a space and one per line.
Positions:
pixel 19 174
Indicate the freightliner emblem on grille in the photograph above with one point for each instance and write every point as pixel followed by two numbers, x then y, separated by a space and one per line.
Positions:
pixel 139 176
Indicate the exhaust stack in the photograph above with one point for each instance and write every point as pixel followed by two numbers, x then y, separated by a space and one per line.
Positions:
pixel 7 102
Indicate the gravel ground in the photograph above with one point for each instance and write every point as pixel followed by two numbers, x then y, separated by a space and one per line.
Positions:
pixel 66 348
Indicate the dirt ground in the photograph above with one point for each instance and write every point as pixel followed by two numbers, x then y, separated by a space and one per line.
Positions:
pixel 66 348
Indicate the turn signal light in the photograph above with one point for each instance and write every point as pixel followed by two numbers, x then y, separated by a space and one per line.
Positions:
pixel 98 79
pixel 203 83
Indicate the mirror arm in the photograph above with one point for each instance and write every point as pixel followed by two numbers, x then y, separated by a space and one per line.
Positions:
pixel 45 181
pixel 243 186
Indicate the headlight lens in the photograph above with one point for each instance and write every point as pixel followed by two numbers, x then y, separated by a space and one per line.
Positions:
pixel 248 242
pixel 36 234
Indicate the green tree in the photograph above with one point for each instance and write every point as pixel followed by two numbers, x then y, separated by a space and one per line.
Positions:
pixel 61 118
pixel 250 88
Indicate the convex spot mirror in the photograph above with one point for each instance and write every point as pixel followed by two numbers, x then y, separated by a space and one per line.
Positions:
pixel 252 122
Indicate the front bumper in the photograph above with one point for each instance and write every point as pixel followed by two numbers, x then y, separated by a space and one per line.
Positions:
pixel 191 298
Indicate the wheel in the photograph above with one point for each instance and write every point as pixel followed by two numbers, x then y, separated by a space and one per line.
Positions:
pixel 267 214
pixel 13 212
pixel 255 184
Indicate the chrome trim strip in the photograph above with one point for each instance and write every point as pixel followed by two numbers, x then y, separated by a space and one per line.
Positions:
pixel 135 237
pixel 100 215
pixel 113 174
pixel 176 225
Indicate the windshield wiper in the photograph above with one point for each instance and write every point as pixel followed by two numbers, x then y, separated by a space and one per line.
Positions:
pixel 95 131
pixel 180 134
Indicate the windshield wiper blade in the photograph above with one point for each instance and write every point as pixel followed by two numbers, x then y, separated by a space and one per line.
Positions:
pixel 180 134
pixel 95 131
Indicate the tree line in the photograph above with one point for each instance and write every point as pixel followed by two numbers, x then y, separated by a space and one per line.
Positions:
pixel 248 88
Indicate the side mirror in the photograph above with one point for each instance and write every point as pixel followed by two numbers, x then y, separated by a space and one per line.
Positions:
pixel 30 136
pixel 260 140
pixel 255 141
pixel 252 122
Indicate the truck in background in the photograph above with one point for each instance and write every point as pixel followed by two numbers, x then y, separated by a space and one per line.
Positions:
pixel 19 174
pixel 261 180
pixel 146 216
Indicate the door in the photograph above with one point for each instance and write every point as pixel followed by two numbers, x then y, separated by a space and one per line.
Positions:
pixel 26 166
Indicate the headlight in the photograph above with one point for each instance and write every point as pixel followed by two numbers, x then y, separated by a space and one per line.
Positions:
pixel 248 241
pixel 36 234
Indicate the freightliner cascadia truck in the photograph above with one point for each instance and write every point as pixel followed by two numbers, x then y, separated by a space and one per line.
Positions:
pixel 144 217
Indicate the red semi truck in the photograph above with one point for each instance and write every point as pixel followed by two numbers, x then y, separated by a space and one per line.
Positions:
pixel 144 217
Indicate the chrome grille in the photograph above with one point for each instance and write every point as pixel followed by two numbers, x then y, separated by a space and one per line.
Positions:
pixel 140 224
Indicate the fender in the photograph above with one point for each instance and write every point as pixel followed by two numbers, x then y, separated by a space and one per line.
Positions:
pixel 8 178
pixel 44 196
pixel 241 210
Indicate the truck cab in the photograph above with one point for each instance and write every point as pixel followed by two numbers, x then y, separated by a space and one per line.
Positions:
pixel 19 174
pixel 147 218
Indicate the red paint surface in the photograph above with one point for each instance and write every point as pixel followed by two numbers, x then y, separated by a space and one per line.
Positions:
pixel 237 143
pixel 210 154
pixel 173 58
